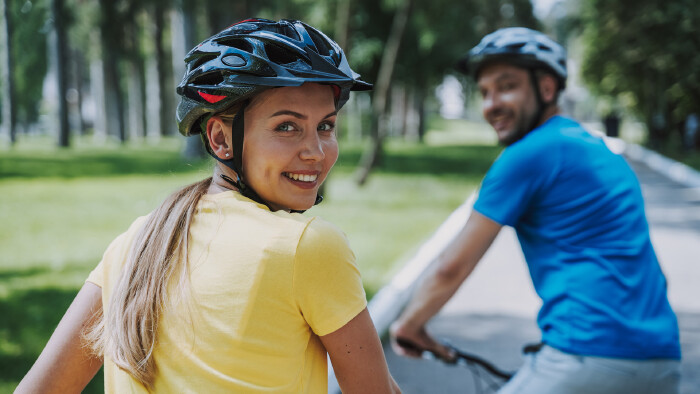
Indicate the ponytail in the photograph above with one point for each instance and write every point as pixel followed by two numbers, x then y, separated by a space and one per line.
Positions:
pixel 127 333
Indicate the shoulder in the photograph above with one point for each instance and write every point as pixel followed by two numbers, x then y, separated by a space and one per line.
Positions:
pixel 545 144
pixel 127 237
pixel 322 238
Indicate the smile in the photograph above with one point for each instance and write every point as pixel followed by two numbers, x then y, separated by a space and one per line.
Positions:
pixel 301 177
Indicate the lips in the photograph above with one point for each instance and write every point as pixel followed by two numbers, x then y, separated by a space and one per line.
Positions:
pixel 499 120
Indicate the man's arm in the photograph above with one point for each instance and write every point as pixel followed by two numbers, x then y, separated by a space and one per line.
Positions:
pixel 452 267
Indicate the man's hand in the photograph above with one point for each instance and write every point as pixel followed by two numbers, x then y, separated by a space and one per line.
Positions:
pixel 413 341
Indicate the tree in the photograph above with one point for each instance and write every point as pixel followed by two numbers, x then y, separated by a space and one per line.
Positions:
pixel 8 88
pixel 28 58
pixel 381 90
pixel 646 52
pixel 59 51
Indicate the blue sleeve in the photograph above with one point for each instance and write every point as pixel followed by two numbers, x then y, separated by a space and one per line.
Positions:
pixel 515 180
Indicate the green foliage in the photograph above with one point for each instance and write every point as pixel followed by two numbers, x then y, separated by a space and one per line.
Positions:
pixel 29 20
pixel 439 33
pixel 647 52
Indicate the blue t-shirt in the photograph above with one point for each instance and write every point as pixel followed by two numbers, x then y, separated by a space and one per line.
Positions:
pixel 579 214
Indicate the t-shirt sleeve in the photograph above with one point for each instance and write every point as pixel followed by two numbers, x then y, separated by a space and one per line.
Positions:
pixel 514 181
pixel 116 251
pixel 327 284
pixel 97 275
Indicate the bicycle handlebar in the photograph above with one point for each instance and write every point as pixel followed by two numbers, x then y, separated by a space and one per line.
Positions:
pixel 460 355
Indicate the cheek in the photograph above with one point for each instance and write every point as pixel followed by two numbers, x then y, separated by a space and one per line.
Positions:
pixel 331 152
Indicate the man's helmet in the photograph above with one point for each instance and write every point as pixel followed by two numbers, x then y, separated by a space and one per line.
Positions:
pixel 520 46
pixel 257 54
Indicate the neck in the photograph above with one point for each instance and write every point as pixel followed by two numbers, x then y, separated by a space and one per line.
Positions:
pixel 549 111
pixel 219 184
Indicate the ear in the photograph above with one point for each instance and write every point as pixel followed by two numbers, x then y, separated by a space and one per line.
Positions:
pixel 548 88
pixel 219 138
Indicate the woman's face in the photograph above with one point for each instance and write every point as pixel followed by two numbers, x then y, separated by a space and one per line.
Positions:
pixel 290 144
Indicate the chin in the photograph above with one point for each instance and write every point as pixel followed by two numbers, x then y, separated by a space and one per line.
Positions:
pixel 300 205
pixel 511 137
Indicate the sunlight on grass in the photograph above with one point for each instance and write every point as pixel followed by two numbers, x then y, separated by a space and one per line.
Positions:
pixel 459 131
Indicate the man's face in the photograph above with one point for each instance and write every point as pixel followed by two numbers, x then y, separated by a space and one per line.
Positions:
pixel 508 100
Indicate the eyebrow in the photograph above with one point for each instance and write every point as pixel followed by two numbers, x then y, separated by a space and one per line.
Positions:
pixel 505 76
pixel 298 115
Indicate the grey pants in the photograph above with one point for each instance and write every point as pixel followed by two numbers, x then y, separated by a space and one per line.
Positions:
pixel 553 371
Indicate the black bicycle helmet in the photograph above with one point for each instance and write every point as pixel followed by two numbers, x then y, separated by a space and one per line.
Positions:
pixel 257 54
pixel 520 46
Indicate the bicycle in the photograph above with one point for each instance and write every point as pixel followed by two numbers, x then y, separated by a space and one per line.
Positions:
pixel 496 377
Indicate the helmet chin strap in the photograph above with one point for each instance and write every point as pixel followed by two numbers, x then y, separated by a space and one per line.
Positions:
pixel 540 103
pixel 236 163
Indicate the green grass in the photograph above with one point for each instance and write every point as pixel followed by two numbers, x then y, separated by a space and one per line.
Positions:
pixel 59 210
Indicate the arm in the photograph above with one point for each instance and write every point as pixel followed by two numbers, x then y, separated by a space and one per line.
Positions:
pixel 66 365
pixel 357 357
pixel 450 270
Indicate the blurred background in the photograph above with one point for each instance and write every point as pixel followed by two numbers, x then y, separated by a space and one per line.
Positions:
pixel 88 139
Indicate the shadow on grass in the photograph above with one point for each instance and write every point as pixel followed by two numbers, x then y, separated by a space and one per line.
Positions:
pixel 15 273
pixel 72 164
pixel 28 320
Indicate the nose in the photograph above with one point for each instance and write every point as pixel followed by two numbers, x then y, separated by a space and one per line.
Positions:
pixel 489 102
pixel 312 148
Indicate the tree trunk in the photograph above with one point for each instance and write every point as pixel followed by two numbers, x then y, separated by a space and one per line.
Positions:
pixel 135 99
pixel 79 72
pixel 342 21
pixel 183 40
pixel 111 96
pixel 135 90
pixel 372 155
pixel 8 90
pixel 60 46
pixel 420 109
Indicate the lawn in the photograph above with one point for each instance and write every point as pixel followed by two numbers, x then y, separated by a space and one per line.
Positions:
pixel 59 210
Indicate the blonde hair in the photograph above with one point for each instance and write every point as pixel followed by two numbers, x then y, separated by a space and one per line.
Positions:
pixel 127 333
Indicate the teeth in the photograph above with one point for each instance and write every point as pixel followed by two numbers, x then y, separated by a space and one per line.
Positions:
pixel 301 177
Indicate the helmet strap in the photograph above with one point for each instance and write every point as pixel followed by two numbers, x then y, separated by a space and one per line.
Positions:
pixel 539 111
pixel 236 163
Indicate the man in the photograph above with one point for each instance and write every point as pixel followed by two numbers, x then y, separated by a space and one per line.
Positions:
pixel 577 208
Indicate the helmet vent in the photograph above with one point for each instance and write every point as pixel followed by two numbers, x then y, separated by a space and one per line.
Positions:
pixel 320 43
pixel 211 79
pixel 544 48
pixel 236 43
pixel 279 55
pixel 516 47
pixel 290 32
pixel 201 60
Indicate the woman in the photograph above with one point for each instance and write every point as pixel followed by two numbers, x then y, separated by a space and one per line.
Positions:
pixel 226 287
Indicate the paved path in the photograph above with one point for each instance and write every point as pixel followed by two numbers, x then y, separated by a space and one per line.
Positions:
pixel 493 314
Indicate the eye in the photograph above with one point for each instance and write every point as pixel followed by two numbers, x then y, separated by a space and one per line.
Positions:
pixel 326 126
pixel 508 85
pixel 286 127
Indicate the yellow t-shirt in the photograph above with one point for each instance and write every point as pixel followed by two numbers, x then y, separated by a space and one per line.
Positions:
pixel 263 286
